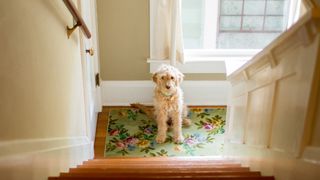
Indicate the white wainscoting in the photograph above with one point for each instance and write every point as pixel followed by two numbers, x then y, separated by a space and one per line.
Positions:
pixel 13 147
pixel 273 90
pixel 273 105
pixel 117 93
pixel 37 159
pixel 312 154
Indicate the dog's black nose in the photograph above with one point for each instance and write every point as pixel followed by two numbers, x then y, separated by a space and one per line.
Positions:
pixel 168 87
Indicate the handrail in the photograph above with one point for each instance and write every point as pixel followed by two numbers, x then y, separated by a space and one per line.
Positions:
pixel 77 17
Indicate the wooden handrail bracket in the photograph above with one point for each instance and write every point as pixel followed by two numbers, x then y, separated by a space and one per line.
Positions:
pixel 77 17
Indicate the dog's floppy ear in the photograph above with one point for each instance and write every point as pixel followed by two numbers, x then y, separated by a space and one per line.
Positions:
pixel 155 78
pixel 180 77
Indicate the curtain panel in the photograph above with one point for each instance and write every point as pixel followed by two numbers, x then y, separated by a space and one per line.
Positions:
pixel 164 14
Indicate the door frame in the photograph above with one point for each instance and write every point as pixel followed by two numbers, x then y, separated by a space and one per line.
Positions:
pixel 90 67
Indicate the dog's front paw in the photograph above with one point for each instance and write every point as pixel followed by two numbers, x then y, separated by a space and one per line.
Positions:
pixel 160 139
pixel 186 122
pixel 178 139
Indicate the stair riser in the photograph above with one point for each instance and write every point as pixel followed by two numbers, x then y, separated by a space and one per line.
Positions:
pixel 251 174
pixel 163 163
pixel 163 159
pixel 174 171
pixel 193 178
pixel 154 166
pixel 161 169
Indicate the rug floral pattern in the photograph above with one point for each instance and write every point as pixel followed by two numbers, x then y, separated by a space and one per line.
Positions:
pixel 131 133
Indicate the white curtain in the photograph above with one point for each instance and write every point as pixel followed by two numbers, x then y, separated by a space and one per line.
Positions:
pixel 163 13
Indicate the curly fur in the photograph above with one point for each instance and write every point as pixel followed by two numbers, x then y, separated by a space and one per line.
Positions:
pixel 168 102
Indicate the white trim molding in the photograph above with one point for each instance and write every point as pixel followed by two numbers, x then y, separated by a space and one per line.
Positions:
pixel 33 146
pixel 312 155
pixel 209 60
pixel 116 93
pixel 192 67
pixel 42 157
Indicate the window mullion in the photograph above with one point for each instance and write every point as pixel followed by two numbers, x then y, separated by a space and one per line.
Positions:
pixel 242 14
pixel 264 15
pixel 211 12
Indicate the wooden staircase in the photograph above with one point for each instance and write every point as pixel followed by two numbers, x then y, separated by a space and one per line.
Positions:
pixel 161 168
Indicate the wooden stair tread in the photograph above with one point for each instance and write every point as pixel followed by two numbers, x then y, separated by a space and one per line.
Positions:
pixel 157 165
pixel 167 171
pixel 160 163
pixel 154 171
pixel 167 178
pixel 167 159
pixel 161 168
pixel 167 174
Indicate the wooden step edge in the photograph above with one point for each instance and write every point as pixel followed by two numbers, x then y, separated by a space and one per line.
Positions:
pixel 151 166
pixel 170 178
pixel 169 171
pixel 164 177
pixel 160 162
pixel 95 170
pixel 123 169
pixel 53 178
pixel 194 158
pixel 133 174
pixel 163 164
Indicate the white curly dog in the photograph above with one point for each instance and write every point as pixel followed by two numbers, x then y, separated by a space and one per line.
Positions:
pixel 168 103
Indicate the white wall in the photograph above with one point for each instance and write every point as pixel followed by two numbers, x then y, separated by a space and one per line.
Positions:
pixel 273 114
pixel 42 115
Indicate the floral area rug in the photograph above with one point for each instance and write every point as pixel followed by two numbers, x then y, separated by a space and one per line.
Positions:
pixel 131 133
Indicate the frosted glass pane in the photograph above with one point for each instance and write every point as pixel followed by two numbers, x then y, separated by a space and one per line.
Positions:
pixel 252 23
pixel 254 7
pixel 230 22
pixel 275 7
pixel 231 7
pixel 245 40
pixel 274 23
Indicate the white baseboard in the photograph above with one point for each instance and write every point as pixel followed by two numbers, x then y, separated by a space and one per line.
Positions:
pixel 33 146
pixel 122 93
pixel 38 159
pixel 312 155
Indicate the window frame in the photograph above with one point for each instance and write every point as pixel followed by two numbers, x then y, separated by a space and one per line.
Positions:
pixel 227 54
pixel 204 58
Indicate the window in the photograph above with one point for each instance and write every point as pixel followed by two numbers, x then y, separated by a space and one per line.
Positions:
pixel 221 35
pixel 232 24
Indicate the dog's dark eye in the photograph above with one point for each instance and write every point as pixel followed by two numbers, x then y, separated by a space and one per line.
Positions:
pixel 162 77
pixel 172 77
